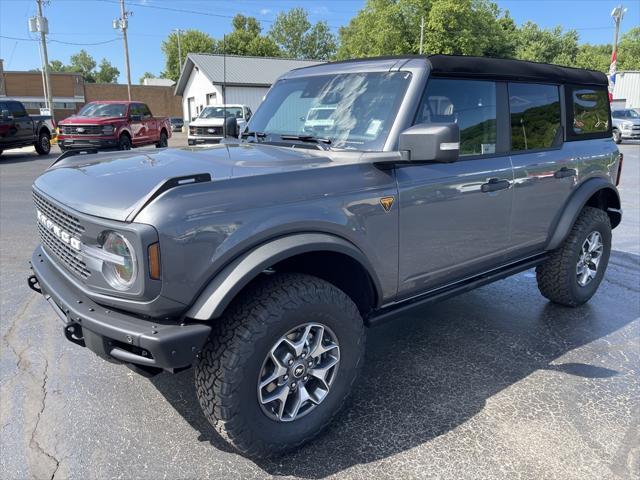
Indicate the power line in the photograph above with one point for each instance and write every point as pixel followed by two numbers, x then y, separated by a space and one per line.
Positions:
pixel 19 39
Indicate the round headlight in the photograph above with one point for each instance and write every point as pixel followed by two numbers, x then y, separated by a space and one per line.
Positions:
pixel 120 273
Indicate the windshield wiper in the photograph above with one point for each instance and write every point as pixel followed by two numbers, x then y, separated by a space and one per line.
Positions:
pixel 253 134
pixel 307 138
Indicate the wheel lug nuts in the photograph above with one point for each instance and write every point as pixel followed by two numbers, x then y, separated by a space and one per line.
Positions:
pixel 290 362
pixel 286 377
pixel 293 385
pixel 305 378
pixel 303 355
pixel 310 363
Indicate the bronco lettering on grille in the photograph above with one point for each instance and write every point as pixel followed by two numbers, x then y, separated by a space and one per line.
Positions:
pixel 63 235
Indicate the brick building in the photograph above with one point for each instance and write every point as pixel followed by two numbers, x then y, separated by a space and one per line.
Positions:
pixel 70 93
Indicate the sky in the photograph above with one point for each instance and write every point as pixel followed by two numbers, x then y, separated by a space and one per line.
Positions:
pixel 77 24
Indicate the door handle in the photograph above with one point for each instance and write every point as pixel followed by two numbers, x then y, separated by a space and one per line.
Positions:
pixel 565 172
pixel 494 184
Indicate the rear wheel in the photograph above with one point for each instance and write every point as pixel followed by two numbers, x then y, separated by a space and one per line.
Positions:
pixel 280 363
pixel 574 271
pixel 124 142
pixel 43 145
pixel 164 140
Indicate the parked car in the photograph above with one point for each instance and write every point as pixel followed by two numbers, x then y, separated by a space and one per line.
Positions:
pixel 176 124
pixel 19 129
pixel 208 127
pixel 113 125
pixel 261 261
pixel 626 125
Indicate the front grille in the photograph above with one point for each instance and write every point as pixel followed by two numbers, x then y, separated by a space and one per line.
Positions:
pixel 205 131
pixel 67 256
pixel 84 129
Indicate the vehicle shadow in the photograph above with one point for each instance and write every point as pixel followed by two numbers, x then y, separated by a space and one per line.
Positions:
pixel 429 372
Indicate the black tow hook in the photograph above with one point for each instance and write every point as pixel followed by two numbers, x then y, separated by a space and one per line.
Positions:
pixel 34 284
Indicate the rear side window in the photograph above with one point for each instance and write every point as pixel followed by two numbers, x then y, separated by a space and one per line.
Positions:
pixel 590 111
pixel 469 103
pixel 535 116
pixel 16 109
pixel 145 110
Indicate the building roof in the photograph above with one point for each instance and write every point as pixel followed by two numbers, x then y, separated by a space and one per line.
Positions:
pixel 240 70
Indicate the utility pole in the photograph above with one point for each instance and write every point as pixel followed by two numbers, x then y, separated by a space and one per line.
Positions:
pixel 41 25
pixel 122 24
pixel 421 33
pixel 179 32
pixel 617 14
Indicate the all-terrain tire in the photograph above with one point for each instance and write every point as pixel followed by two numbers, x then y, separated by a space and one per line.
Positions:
pixel 163 142
pixel 43 145
pixel 617 136
pixel 228 370
pixel 124 142
pixel 557 276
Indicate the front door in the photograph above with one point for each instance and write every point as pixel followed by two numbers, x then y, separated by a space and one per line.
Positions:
pixel 454 217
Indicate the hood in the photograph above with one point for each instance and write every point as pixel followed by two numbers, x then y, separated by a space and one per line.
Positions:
pixel 115 185
pixel 90 120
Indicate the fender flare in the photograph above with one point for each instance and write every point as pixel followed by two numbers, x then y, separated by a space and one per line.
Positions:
pixel 228 282
pixel 575 204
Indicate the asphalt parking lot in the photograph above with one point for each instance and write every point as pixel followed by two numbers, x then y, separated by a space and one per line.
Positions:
pixel 496 383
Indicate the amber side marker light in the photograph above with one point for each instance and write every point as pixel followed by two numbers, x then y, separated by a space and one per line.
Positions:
pixel 154 261
pixel 619 170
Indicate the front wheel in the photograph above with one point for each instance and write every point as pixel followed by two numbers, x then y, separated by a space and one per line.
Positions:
pixel 43 145
pixel 574 271
pixel 124 142
pixel 280 363
pixel 617 136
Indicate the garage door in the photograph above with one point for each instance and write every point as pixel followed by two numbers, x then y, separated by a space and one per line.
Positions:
pixel 251 96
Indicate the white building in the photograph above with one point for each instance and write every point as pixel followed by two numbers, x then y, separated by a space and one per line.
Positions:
pixel 626 92
pixel 217 79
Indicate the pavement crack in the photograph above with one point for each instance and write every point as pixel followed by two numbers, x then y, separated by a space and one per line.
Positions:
pixel 33 442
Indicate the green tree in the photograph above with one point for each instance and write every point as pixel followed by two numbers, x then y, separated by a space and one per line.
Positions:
pixel 547 45
pixel 56 66
pixel 594 57
pixel 107 73
pixel 297 38
pixel 247 39
pixel 146 75
pixel 191 41
pixel 83 63
pixel 629 50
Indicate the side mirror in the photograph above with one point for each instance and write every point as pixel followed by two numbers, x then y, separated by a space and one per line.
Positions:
pixel 231 127
pixel 135 118
pixel 6 114
pixel 436 142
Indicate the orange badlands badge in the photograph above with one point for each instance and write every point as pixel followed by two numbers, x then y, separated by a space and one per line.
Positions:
pixel 386 203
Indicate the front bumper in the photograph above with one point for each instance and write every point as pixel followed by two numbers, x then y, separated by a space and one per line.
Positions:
pixel 116 336
pixel 71 142
pixel 198 139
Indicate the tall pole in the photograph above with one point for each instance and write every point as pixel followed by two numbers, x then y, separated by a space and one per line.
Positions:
pixel 122 24
pixel 42 27
pixel 617 14
pixel 421 33
pixel 179 32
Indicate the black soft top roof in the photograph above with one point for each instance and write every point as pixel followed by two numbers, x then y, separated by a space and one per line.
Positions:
pixel 507 69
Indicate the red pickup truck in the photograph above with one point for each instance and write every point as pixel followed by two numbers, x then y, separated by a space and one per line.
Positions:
pixel 113 124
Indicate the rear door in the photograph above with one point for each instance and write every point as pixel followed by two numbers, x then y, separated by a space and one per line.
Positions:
pixel 138 128
pixel 545 167
pixel 454 217
pixel 150 123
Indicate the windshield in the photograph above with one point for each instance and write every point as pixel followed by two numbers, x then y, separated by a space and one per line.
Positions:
pixel 103 110
pixel 353 110
pixel 219 112
pixel 634 114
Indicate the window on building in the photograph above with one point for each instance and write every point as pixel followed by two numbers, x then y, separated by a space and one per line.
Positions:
pixel 469 103
pixel 211 98
pixel 535 116
pixel 590 110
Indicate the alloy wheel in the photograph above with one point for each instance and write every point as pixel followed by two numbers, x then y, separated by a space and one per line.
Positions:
pixel 298 372
pixel 590 256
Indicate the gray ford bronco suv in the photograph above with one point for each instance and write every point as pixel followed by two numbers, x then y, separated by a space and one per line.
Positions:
pixel 357 191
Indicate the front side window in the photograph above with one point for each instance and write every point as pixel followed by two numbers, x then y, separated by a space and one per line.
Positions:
pixel 469 103
pixel 535 116
pixel 355 111
pixel 590 111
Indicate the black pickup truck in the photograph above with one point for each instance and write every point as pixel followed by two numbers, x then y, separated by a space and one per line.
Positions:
pixel 19 129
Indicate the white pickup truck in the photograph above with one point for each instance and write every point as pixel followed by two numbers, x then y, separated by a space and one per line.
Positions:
pixel 209 126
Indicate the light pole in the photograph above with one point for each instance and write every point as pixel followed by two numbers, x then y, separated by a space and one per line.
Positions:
pixel 617 14
pixel 41 25
pixel 122 24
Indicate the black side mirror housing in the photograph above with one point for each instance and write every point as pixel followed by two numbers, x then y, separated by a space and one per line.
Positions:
pixel 6 114
pixel 231 127
pixel 435 142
